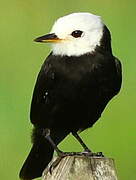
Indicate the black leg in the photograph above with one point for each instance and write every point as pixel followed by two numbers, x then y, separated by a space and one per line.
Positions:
pixel 61 155
pixel 46 134
pixel 87 151
pixel 81 142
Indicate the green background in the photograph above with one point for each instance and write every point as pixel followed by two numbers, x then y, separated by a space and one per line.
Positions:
pixel 20 59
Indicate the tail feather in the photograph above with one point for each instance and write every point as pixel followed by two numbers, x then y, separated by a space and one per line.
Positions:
pixel 40 154
pixel 38 158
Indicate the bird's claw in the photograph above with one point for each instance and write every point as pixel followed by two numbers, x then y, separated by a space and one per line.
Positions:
pixel 61 155
pixel 98 154
pixel 64 154
pixel 55 164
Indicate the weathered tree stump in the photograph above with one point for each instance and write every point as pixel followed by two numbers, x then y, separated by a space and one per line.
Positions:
pixel 82 168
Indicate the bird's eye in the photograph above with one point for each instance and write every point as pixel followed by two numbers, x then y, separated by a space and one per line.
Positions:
pixel 77 33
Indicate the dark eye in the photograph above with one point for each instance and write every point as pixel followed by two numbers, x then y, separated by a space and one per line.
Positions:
pixel 77 33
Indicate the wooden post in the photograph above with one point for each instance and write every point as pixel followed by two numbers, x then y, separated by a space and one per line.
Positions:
pixel 82 168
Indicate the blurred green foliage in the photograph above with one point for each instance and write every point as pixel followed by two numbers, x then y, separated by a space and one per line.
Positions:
pixel 21 58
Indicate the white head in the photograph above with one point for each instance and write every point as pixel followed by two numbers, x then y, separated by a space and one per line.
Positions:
pixel 75 34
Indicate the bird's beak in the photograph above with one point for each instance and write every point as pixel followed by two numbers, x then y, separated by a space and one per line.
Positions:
pixel 48 38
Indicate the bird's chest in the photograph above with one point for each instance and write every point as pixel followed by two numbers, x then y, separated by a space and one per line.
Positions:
pixel 74 81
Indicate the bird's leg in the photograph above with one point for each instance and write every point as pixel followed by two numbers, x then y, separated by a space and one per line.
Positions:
pixel 86 149
pixel 46 134
pixel 61 155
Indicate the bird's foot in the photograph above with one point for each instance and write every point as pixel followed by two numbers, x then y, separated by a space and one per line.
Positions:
pixel 55 164
pixel 98 154
pixel 61 155
pixel 90 153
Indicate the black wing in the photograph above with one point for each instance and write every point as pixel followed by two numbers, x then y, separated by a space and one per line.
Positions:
pixel 41 101
pixel 66 87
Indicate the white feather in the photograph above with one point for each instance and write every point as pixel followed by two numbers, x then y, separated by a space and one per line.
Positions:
pixel 92 28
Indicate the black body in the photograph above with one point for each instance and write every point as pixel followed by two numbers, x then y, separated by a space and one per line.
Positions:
pixel 70 94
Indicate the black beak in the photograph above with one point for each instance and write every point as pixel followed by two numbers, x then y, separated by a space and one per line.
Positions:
pixel 48 38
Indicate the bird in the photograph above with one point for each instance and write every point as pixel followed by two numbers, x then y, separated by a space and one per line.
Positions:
pixel 75 83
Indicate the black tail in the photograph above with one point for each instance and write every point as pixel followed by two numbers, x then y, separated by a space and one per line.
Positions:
pixel 40 156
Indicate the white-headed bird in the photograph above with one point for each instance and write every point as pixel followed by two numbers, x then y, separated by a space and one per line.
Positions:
pixel 75 83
